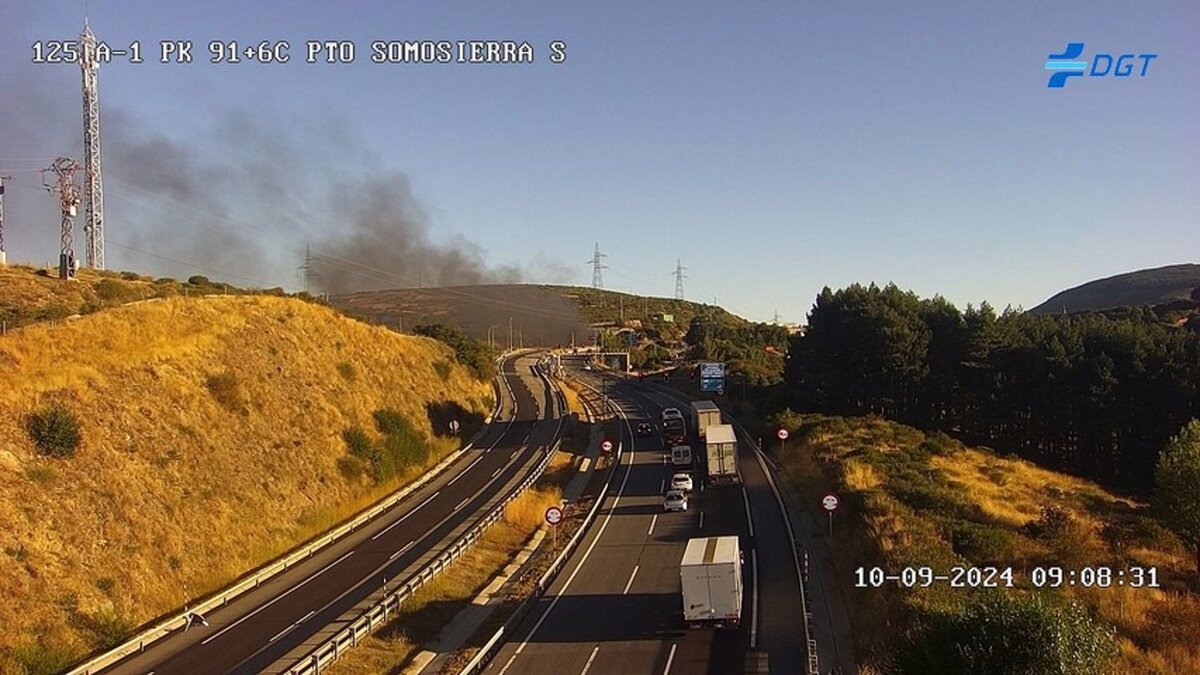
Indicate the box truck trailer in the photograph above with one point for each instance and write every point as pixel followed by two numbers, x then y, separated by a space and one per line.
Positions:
pixel 711 576
pixel 720 455
pixel 704 415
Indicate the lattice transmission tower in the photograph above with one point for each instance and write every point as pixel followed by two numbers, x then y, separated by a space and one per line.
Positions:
pixel 69 196
pixel 93 183
pixel 679 277
pixel 598 267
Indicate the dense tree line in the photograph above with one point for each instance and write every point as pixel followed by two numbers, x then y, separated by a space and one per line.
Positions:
pixel 751 350
pixel 1098 394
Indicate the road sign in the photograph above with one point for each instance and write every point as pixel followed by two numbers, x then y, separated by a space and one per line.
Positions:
pixel 554 515
pixel 783 434
pixel 712 377
pixel 454 426
pixel 830 502
pixel 606 446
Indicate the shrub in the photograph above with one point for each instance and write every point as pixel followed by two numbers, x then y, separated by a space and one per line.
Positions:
pixel 1001 633
pixel 54 430
pixel 442 368
pixel 198 280
pixel 40 474
pixel 350 467
pixel 111 289
pixel 225 388
pixel 39 658
pixel 358 443
pixel 130 276
pixel 981 544
pixel 347 371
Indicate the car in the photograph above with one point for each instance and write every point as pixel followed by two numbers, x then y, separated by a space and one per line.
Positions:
pixel 681 482
pixel 587 367
pixel 669 413
pixel 675 501
pixel 644 429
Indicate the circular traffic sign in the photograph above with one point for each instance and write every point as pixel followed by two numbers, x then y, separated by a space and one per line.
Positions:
pixel 830 502
pixel 606 446
pixel 554 515
pixel 783 434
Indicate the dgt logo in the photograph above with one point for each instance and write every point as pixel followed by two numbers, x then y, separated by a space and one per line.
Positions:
pixel 1066 65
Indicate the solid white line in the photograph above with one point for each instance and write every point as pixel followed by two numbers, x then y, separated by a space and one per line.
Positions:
pixel 754 599
pixel 276 599
pixel 587 666
pixel 497 471
pixel 586 554
pixel 630 582
pixel 464 471
pixel 405 516
pixel 401 551
pixel 464 503
pixel 652 522
pixel 701 520
pixel 749 520
pixel 670 658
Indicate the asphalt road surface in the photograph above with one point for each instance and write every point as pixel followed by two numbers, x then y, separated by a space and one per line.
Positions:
pixel 260 627
pixel 616 608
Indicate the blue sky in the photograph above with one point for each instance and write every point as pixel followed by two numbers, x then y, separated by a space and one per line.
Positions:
pixel 773 147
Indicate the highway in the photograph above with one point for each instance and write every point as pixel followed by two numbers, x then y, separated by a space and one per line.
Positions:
pixel 270 626
pixel 616 608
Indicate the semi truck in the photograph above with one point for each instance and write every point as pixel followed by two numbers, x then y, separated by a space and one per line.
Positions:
pixel 720 455
pixel 704 415
pixel 711 576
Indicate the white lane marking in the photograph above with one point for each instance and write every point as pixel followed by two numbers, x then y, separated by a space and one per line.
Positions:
pixel 701 520
pixel 587 666
pixel 630 582
pixel 652 522
pixel 754 599
pixel 401 551
pixel 670 658
pixel 586 554
pixel 464 471
pixel 405 516
pixel 289 629
pixel 276 599
pixel 467 499
pixel 749 520
pixel 497 471
pixel 662 487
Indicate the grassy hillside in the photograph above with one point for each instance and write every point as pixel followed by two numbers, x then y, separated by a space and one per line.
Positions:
pixel 212 440
pixel 543 315
pixel 1155 286
pixel 29 295
pixel 912 499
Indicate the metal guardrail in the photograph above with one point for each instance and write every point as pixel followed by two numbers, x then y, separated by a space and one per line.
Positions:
pixel 253 580
pixel 377 615
pixel 489 648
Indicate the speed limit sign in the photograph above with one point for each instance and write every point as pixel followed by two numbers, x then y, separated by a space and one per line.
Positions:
pixel 783 434
pixel 554 515
pixel 606 446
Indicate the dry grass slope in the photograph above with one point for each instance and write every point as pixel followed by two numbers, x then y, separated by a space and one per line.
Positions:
pixel 928 500
pixel 173 493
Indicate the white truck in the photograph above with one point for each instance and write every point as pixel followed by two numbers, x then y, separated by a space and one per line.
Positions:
pixel 711 576
pixel 704 415
pixel 720 455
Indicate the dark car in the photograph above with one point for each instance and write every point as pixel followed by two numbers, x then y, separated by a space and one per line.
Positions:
pixel 644 429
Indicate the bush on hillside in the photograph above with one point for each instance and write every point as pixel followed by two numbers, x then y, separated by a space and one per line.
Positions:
pixel 476 355
pixel 347 371
pixel 227 391
pixel 198 280
pixel 54 430
pixel 1004 633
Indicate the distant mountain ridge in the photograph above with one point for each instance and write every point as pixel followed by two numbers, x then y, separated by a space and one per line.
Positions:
pixel 1155 286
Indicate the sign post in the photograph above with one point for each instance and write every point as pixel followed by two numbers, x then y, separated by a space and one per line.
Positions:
pixel 554 516
pixel 782 434
pixel 830 503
